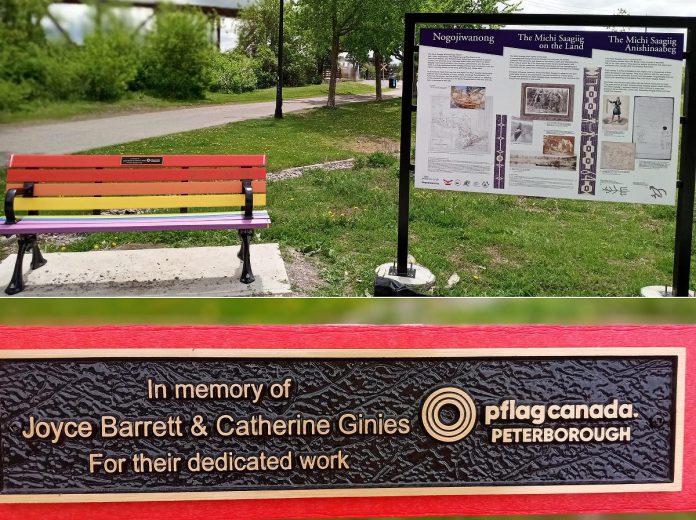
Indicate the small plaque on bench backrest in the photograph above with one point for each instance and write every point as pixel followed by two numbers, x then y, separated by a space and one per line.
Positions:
pixel 142 160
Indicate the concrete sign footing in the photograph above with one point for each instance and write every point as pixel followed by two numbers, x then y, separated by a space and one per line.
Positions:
pixel 424 279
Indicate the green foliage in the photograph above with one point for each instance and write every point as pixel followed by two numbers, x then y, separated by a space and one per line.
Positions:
pixel 108 64
pixel 265 67
pixel 13 94
pixel 22 49
pixel 232 73
pixel 374 160
pixel 177 55
pixel 258 38
pixel 100 70
pixel 60 67
pixel 258 27
pixel 22 19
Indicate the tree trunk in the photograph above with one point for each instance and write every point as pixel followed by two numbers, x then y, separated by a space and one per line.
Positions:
pixel 378 75
pixel 331 102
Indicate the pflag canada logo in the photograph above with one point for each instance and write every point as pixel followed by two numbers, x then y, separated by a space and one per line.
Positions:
pixel 448 414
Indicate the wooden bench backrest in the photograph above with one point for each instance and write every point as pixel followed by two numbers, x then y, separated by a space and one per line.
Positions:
pixel 101 182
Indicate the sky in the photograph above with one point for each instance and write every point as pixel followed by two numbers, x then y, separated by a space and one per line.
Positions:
pixel 634 7
pixel 73 18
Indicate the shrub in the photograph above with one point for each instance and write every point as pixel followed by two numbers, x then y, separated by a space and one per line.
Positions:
pixel 108 64
pixel 177 55
pixel 380 160
pixel 232 73
pixel 13 94
pixel 265 67
pixel 299 69
pixel 60 73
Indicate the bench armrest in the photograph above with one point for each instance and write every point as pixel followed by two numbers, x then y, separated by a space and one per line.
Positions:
pixel 9 206
pixel 248 199
pixel 26 191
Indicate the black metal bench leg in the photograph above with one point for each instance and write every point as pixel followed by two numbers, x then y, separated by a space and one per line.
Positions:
pixel 17 282
pixel 247 275
pixel 37 259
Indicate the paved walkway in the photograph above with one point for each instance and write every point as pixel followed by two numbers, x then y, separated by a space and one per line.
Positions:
pixel 77 136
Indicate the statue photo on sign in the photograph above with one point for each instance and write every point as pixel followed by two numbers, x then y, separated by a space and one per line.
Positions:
pixel 615 112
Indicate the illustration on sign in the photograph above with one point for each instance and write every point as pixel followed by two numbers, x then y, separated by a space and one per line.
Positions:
pixel 495 421
pixel 610 98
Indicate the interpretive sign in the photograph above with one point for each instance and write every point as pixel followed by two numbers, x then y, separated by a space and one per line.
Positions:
pixel 102 425
pixel 569 114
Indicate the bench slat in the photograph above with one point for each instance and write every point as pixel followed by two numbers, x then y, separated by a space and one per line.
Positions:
pixel 137 202
pixel 135 175
pixel 141 188
pixel 115 161
pixel 202 215
pixel 29 226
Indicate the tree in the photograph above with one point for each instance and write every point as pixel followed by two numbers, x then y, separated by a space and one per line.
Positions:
pixel 331 21
pixel 258 27
pixel 381 33
pixel 258 39
pixel 381 28
pixel 22 18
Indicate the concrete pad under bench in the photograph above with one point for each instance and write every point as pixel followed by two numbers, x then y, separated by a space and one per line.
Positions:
pixel 175 272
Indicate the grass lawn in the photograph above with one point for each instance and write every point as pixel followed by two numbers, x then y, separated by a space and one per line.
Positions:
pixel 139 102
pixel 346 221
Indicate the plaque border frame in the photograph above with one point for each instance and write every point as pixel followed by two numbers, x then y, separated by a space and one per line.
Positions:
pixel 679 353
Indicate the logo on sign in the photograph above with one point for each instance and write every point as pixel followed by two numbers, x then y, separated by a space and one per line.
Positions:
pixel 448 414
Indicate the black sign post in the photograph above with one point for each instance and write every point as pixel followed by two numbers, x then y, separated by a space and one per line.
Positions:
pixel 687 169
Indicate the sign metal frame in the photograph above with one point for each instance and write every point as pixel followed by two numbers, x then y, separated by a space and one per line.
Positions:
pixel 686 182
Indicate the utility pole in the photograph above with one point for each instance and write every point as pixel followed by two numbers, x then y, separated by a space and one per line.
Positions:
pixel 279 91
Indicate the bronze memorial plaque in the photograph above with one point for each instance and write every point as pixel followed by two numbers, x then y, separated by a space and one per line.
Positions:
pixel 108 425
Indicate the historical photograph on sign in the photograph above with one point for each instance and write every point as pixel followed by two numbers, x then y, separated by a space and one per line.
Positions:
pixel 548 102
pixel 542 162
pixel 618 156
pixel 468 97
pixel 615 110
pixel 653 119
pixel 522 132
pixel 459 131
pixel 561 145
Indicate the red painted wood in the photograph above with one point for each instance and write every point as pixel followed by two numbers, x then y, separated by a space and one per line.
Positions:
pixel 150 173
pixel 371 337
pixel 114 161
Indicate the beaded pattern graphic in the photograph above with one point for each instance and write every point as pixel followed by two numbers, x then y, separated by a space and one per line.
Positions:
pixel 500 150
pixel 590 129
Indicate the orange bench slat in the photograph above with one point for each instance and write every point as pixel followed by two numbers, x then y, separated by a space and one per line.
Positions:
pixel 115 161
pixel 141 188
pixel 135 174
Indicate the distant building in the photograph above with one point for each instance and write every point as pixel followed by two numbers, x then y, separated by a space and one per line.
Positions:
pixel 347 70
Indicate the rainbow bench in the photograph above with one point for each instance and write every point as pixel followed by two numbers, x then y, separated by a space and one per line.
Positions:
pixel 68 186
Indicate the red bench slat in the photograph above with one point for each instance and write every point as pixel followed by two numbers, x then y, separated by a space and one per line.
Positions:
pixel 135 175
pixel 114 161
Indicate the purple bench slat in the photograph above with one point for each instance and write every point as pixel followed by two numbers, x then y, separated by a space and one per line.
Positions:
pixel 34 227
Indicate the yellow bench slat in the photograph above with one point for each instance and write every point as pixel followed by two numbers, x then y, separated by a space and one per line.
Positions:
pixel 140 202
